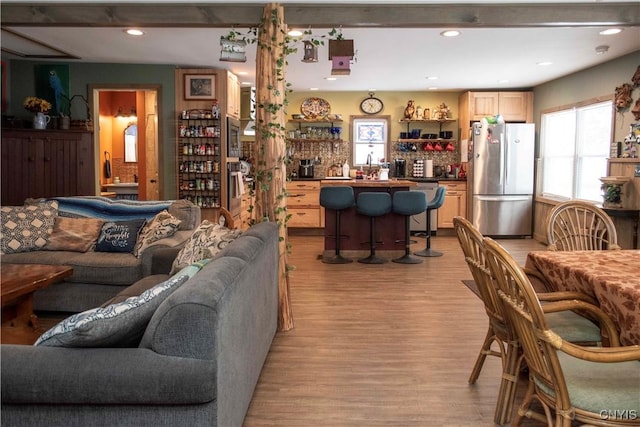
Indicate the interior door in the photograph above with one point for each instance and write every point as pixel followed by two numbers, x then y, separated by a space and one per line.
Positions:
pixel 149 185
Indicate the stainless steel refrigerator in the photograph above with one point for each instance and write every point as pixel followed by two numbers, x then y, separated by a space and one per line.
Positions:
pixel 502 186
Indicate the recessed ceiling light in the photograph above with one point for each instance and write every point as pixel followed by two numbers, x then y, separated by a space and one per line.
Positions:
pixel 313 88
pixel 331 79
pixel 544 63
pixel 610 31
pixel 450 33
pixel 242 73
pixel 432 88
pixel 134 32
pixel 295 33
pixel 503 81
pixel 432 77
pixel 246 83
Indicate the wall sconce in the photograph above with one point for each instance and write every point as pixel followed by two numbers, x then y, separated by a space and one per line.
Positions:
pixel 232 50
pixel 310 52
pixel 122 114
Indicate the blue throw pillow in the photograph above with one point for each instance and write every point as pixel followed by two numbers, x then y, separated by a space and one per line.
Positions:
pixel 119 236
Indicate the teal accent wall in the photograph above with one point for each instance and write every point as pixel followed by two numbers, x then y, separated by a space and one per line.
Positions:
pixel 21 83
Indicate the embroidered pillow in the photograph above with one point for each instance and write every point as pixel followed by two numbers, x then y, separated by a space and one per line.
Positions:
pixel 26 228
pixel 74 234
pixel 119 236
pixel 163 225
pixel 205 242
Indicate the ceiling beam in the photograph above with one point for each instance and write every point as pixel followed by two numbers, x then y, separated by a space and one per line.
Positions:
pixel 321 15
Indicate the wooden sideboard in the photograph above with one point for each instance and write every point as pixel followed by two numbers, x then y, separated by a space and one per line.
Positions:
pixel 46 163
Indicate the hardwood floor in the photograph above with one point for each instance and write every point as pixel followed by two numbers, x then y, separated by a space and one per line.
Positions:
pixel 380 345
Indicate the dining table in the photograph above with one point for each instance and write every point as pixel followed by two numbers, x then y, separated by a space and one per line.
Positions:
pixel 612 277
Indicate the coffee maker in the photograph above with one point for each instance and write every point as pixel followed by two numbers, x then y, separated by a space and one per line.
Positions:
pixel 399 168
pixel 305 170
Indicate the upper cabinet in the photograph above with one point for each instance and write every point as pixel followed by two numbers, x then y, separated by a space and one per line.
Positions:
pixel 513 106
pixel 233 95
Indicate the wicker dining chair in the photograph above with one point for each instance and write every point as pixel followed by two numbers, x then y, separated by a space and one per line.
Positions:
pixel 568 324
pixel 593 385
pixel 580 226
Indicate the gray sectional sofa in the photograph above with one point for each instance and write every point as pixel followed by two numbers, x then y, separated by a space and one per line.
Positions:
pixel 197 363
pixel 98 276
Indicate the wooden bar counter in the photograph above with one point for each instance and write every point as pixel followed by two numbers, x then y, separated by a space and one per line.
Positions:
pixel 355 227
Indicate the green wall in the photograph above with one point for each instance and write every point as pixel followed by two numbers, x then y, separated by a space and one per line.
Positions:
pixel 598 81
pixel 21 83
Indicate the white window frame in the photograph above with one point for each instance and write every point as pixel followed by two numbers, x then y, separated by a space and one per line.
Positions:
pixel 359 145
pixel 584 179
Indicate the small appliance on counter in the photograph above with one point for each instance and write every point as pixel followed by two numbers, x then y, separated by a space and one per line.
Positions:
pixel 400 168
pixel 305 170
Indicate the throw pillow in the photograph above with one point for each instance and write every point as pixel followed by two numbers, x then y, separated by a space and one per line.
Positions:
pixel 26 228
pixel 119 236
pixel 74 234
pixel 117 325
pixel 163 225
pixel 205 242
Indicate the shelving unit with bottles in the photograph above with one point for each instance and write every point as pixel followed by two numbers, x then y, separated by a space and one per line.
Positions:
pixel 320 130
pixel 199 158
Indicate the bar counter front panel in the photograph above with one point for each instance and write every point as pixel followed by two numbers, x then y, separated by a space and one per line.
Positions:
pixel 355 227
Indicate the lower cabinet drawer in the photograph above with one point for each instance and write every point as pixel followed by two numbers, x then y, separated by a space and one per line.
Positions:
pixel 304 217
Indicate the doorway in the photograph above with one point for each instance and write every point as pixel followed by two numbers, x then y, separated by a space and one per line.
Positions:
pixel 119 107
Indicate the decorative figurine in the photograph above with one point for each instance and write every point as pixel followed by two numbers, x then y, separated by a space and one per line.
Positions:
pixel 410 110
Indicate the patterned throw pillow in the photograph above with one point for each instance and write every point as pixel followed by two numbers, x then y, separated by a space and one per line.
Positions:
pixel 119 236
pixel 117 325
pixel 163 225
pixel 74 234
pixel 205 242
pixel 26 228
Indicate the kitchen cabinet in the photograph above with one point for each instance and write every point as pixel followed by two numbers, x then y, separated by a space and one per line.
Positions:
pixel 515 106
pixel 46 163
pixel 233 95
pixel 303 204
pixel 455 203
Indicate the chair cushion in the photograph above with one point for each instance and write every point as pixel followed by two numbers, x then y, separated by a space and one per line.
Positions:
pixel 409 202
pixel 573 328
pixel 26 228
pixel 373 203
pixel 598 387
pixel 338 197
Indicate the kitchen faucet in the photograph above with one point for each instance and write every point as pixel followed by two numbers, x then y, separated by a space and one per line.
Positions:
pixel 369 162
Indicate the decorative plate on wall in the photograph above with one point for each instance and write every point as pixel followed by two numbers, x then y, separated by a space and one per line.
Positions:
pixel 315 108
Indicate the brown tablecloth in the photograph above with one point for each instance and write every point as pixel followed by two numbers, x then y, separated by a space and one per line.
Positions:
pixel 612 277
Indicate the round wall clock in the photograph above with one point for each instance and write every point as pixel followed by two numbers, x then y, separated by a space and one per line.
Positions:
pixel 371 105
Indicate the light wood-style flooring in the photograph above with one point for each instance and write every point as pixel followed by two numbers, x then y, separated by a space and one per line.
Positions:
pixel 380 345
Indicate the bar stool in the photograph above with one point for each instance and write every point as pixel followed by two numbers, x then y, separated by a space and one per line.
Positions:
pixel 373 204
pixel 337 198
pixel 435 203
pixel 408 203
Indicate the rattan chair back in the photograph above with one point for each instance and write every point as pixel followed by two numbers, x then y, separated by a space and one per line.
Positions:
pixel 580 226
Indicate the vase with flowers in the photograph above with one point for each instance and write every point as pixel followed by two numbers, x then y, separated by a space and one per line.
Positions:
pixel 39 107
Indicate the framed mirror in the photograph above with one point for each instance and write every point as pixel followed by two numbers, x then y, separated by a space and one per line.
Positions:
pixel 131 143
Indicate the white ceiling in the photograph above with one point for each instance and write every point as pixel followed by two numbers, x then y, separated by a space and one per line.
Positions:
pixel 387 59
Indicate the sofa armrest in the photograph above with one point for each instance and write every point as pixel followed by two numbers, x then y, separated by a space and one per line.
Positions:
pixel 162 260
pixel 103 376
pixel 177 241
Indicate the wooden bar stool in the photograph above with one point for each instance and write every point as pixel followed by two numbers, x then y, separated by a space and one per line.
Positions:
pixel 373 204
pixel 408 203
pixel 435 203
pixel 337 198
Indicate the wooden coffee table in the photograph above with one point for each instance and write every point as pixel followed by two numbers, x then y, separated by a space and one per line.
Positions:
pixel 18 282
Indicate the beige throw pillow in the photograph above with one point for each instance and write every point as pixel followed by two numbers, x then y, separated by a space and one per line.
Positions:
pixel 205 242
pixel 163 225
pixel 74 234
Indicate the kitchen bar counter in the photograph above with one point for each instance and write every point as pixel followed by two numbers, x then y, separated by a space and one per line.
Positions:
pixel 355 227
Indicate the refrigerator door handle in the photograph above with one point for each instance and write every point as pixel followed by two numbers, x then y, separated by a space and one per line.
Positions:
pixel 503 198
pixel 505 157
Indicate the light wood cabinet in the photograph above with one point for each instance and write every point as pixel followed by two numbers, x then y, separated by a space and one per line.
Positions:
pixel 303 204
pixel 513 106
pixel 247 201
pixel 233 95
pixel 455 203
pixel 46 163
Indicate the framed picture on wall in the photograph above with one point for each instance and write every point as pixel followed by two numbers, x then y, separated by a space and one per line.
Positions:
pixel 199 86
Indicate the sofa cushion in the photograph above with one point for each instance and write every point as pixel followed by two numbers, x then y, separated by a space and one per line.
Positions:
pixel 117 325
pixel 26 228
pixel 163 225
pixel 186 212
pixel 205 242
pixel 119 236
pixel 108 268
pixel 74 234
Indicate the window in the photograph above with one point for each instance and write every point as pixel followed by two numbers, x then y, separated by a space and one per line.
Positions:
pixel 370 137
pixel 574 146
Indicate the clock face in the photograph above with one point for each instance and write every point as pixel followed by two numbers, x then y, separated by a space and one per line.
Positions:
pixel 371 105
